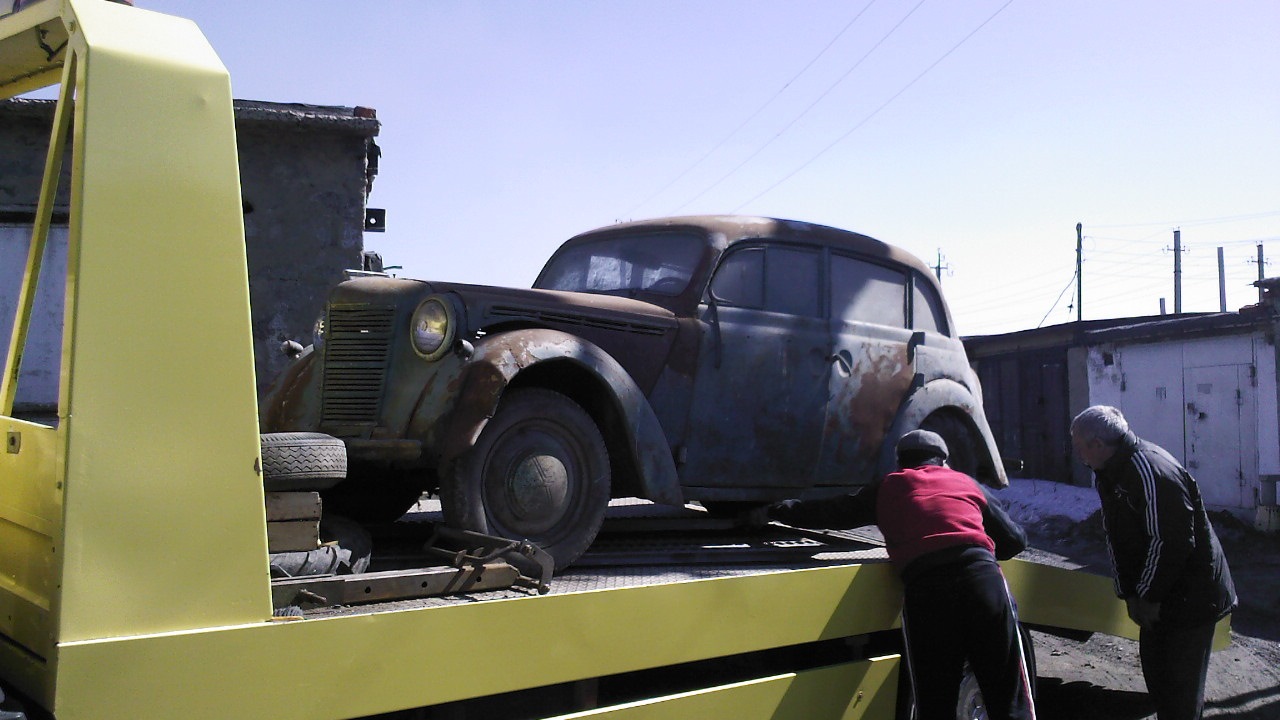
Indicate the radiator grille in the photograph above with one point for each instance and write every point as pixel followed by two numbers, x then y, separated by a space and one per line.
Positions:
pixel 356 346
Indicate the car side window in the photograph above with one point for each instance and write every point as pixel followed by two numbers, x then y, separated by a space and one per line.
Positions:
pixel 773 278
pixel 740 279
pixel 863 291
pixel 793 281
pixel 926 306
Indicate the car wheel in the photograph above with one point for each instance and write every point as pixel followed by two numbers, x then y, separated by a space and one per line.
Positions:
pixel 302 461
pixel 971 705
pixel 1028 657
pixel 374 495
pixel 539 471
pixel 962 449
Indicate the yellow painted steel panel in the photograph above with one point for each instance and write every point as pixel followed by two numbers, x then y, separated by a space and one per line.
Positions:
pixel 1065 598
pixel 30 519
pixel 853 691
pixel 24 64
pixel 412 658
pixel 1077 600
pixel 163 502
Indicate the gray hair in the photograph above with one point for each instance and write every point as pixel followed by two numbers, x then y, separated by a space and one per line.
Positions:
pixel 1100 422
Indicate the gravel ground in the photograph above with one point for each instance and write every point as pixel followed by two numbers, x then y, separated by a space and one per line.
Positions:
pixel 1101 679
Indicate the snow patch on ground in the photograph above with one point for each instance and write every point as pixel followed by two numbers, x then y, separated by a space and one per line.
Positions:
pixel 1031 501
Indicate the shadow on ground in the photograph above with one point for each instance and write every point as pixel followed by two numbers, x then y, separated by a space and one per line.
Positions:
pixel 1078 700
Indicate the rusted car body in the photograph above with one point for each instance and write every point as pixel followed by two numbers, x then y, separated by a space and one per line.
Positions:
pixel 729 360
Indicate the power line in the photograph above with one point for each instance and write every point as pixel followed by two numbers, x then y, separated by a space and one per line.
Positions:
pixel 1055 302
pixel 875 112
pixel 753 115
pixel 804 112
pixel 1202 221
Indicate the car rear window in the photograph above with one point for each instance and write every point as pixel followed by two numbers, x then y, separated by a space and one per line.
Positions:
pixel 661 263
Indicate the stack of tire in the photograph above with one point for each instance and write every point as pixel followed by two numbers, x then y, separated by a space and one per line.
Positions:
pixel 312 462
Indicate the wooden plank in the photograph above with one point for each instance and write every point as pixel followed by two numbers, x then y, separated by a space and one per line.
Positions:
pixel 293 506
pixel 293 536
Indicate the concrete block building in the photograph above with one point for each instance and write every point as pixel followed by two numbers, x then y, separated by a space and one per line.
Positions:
pixel 305 171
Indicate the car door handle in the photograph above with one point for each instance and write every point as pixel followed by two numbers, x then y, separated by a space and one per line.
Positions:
pixel 844 361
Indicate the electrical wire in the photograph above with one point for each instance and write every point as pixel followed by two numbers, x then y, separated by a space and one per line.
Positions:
pixel 803 112
pixel 875 112
pixel 753 115
pixel 1070 283
pixel 1193 223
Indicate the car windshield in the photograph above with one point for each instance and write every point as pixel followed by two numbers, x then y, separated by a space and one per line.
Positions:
pixel 660 263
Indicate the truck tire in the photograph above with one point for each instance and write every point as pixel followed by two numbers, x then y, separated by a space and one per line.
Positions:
pixel 346 551
pixel 971 705
pixel 302 461
pixel 539 472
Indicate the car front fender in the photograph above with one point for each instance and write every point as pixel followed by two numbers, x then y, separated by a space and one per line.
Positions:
pixel 501 360
pixel 942 395
pixel 292 400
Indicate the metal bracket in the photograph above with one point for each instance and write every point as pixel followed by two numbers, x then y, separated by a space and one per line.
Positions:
pixel 533 563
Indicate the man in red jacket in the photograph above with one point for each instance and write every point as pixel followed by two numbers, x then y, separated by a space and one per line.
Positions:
pixel 944 533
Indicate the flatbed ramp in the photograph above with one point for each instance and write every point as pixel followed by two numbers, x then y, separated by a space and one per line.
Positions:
pixel 640 544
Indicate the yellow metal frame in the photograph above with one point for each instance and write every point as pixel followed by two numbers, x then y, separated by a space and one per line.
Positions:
pixel 133 574
pixel 141 512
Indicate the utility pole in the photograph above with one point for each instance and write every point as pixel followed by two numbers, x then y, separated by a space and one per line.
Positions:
pixel 939 267
pixel 1262 273
pixel 1222 282
pixel 1261 262
pixel 1177 272
pixel 1079 275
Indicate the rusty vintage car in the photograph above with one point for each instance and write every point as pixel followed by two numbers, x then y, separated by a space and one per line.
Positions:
pixel 732 361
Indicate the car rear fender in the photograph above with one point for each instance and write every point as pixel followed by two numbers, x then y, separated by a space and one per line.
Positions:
pixel 568 364
pixel 946 396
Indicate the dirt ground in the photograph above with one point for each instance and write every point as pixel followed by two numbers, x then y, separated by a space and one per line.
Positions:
pixel 1101 679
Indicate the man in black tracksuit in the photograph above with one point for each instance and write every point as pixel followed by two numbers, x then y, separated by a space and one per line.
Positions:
pixel 1168 565
pixel 944 533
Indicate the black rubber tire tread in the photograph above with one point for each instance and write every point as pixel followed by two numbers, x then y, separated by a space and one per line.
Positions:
pixel 347 550
pixel 962 447
pixel 302 461
pixel 463 494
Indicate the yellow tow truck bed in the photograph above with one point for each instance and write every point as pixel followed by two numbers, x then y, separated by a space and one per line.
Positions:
pixel 114 602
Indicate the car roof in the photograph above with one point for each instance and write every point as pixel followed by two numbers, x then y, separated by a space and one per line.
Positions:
pixel 725 230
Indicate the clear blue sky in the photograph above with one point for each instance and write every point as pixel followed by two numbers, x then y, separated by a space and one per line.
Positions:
pixel 980 128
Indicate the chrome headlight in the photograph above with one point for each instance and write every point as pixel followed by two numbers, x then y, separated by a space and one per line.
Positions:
pixel 433 327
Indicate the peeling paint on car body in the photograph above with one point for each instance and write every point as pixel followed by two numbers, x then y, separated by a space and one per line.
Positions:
pixel 699 395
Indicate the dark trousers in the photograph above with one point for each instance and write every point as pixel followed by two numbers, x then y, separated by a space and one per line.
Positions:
pixel 963 611
pixel 1175 662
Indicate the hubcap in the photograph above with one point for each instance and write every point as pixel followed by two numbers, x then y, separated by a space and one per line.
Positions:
pixel 536 491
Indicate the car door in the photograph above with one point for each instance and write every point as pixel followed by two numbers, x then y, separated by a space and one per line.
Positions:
pixel 759 398
pixel 871 365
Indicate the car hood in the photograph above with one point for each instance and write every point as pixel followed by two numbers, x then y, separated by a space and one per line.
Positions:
pixel 487 305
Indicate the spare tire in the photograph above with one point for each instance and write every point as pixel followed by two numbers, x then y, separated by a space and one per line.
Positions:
pixel 302 461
